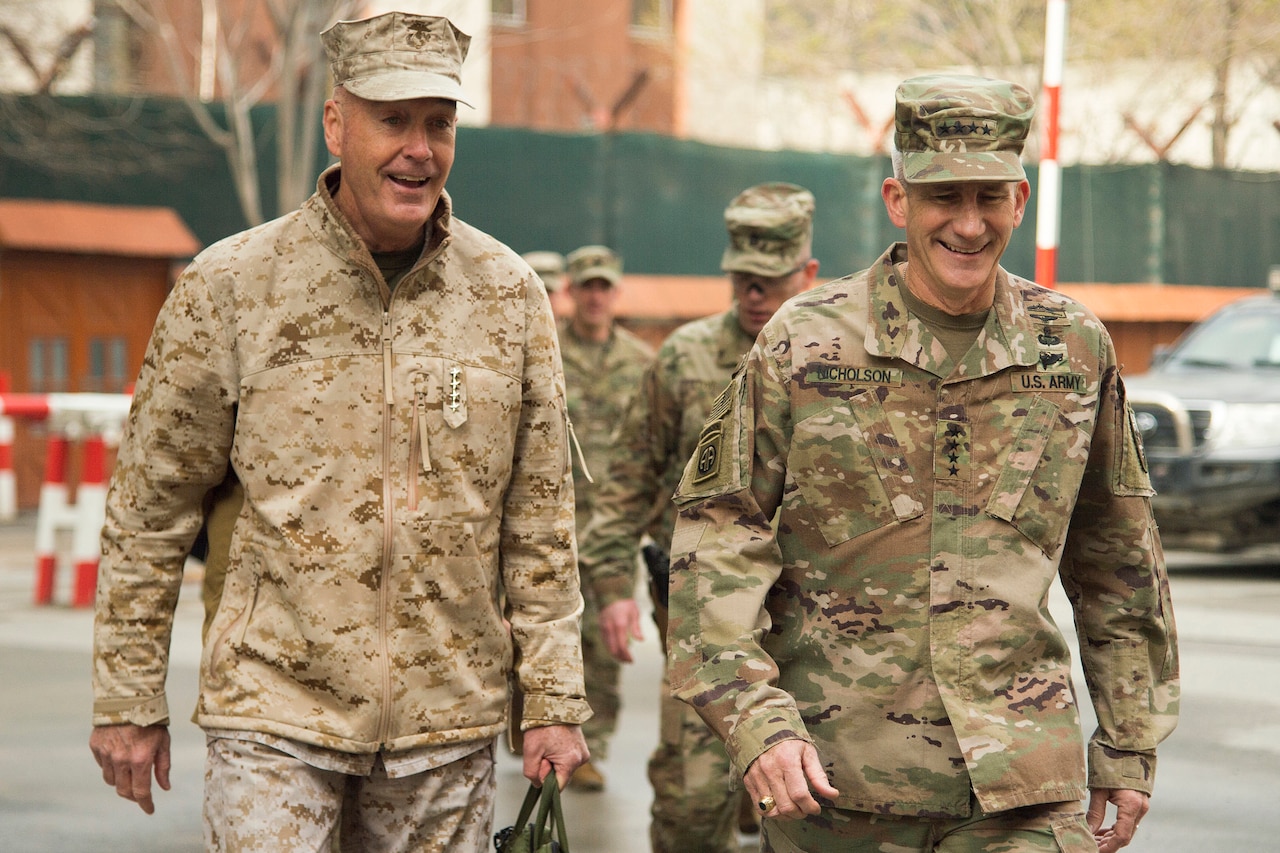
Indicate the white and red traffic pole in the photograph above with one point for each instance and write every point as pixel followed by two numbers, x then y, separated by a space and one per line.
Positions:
pixel 55 513
pixel 95 409
pixel 91 511
pixel 1049 203
pixel 8 482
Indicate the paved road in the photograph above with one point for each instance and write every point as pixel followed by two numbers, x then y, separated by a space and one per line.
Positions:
pixel 1218 774
pixel 53 800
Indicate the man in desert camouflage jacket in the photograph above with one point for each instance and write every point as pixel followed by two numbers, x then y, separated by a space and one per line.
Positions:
pixel 385 382
pixel 768 259
pixel 603 363
pixel 939 440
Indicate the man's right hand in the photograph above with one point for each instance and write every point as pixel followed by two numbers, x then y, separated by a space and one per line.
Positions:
pixel 128 754
pixel 620 623
pixel 789 774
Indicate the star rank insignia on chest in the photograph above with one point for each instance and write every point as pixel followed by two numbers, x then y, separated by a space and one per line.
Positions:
pixel 952 455
pixel 455 389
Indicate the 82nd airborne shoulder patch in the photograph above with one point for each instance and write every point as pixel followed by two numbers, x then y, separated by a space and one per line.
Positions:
pixel 706 459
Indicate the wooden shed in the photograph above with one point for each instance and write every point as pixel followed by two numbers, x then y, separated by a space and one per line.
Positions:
pixel 80 288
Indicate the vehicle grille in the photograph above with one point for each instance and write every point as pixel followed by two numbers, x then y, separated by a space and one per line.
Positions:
pixel 1159 425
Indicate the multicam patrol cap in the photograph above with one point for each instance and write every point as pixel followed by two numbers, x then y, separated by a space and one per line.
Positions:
pixel 770 230
pixel 549 266
pixel 954 127
pixel 594 262
pixel 397 57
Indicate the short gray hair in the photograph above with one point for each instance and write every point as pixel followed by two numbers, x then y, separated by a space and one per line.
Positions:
pixel 899 170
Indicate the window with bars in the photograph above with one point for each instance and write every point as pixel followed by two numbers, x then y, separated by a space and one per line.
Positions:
pixel 47 365
pixel 108 363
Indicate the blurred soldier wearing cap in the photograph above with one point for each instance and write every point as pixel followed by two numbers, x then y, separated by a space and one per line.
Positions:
pixel 550 268
pixel 875 514
pixel 384 380
pixel 768 259
pixel 603 364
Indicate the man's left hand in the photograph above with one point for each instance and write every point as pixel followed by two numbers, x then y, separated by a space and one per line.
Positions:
pixel 1131 806
pixel 558 749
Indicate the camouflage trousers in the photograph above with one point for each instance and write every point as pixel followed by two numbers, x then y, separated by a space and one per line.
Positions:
pixel 1051 828
pixel 601 673
pixel 694 799
pixel 259 799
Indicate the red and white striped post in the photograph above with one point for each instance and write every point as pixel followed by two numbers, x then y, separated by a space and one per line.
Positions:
pixel 53 513
pixel 1049 204
pixel 90 511
pixel 8 480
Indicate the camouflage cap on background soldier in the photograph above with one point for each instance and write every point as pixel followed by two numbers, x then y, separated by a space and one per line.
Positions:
pixel 549 266
pixel 770 230
pixel 954 127
pixel 398 57
pixel 590 262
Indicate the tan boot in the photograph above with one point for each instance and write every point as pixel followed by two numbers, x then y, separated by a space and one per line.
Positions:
pixel 587 778
pixel 748 815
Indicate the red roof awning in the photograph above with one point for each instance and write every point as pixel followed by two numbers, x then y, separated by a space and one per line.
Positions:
pixel 94 229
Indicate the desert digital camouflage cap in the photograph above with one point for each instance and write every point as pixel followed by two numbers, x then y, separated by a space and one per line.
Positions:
pixel 770 229
pixel 954 127
pixel 549 266
pixel 594 262
pixel 397 57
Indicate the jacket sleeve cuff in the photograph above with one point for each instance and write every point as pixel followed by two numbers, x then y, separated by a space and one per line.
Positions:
pixel 1111 768
pixel 115 712
pixel 758 732
pixel 608 587
pixel 554 711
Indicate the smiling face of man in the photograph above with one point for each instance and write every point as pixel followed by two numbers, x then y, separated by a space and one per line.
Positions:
pixel 396 157
pixel 956 234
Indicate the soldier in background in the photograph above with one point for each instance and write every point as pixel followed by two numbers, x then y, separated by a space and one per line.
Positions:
pixel 768 260
pixel 874 516
pixel 603 363
pixel 550 268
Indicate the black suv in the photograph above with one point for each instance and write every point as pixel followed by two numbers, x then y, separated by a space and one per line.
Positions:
pixel 1209 413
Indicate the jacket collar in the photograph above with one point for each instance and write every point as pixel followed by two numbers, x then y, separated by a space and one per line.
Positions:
pixel 333 228
pixel 731 342
pixel 1008 338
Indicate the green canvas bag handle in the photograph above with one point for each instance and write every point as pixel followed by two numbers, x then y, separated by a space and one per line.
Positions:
pixel 537 836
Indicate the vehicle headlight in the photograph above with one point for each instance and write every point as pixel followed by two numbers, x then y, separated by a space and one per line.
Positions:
pixel 1245 425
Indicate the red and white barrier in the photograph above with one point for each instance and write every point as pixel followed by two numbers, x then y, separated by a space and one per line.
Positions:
pixel 95 421
pixel 91 511
pixel 8 483
pixel 1048 206
pixel 55 513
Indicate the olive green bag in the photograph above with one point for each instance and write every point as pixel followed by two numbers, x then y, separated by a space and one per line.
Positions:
pixel 536 836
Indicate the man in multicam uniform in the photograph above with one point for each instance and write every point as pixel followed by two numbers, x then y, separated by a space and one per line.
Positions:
pixel 768 260
pixel 385 382
pixel 603 364
pixel 939 440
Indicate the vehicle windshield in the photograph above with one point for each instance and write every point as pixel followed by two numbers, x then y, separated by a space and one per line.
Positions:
pixel 1240 339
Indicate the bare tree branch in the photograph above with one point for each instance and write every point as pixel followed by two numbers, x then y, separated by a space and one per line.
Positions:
pixel 265 49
